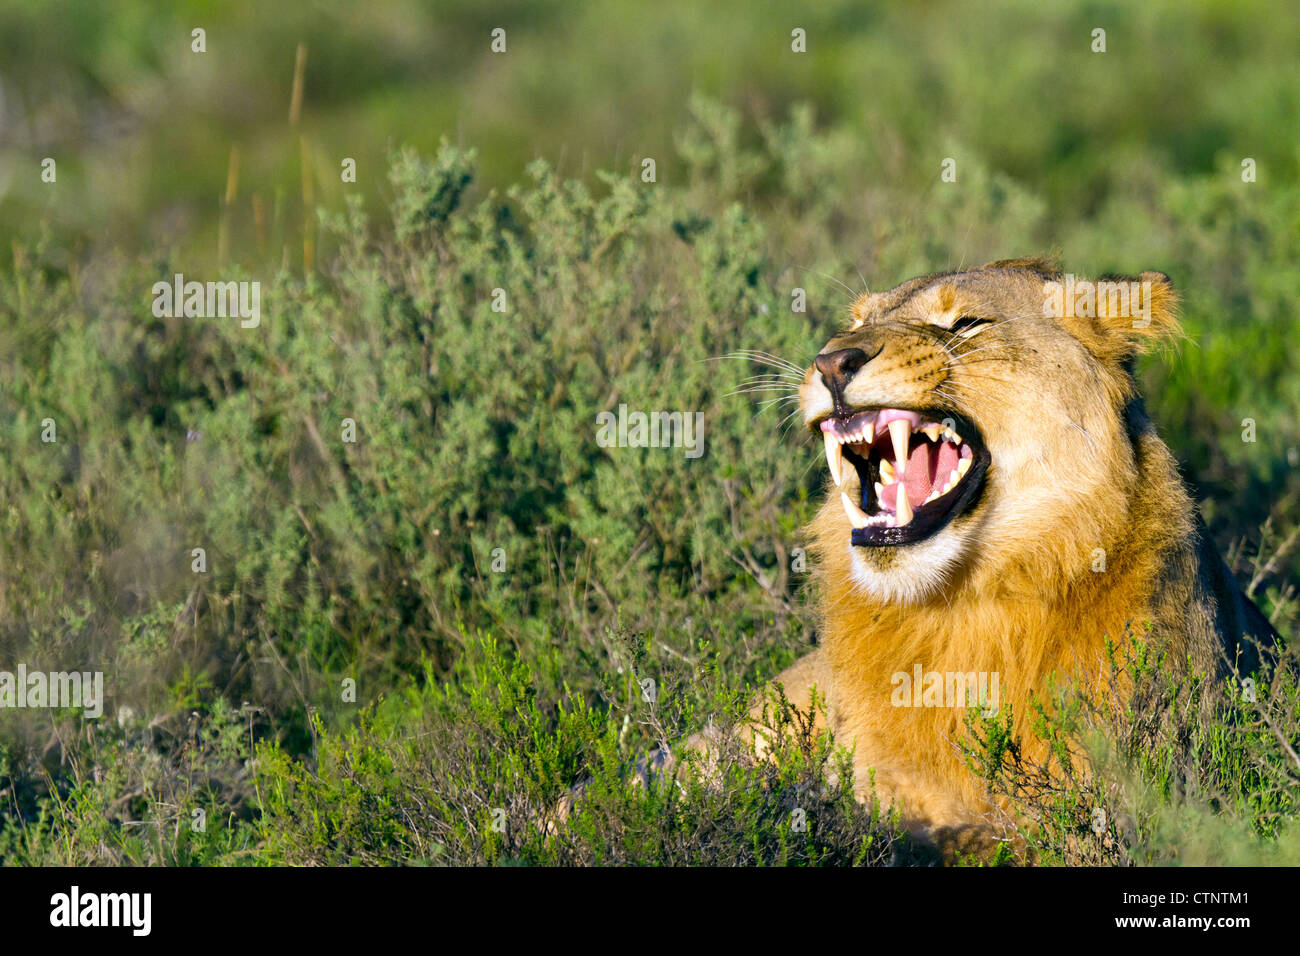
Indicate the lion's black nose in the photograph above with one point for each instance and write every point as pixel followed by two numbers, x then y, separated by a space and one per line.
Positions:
pixel 838 367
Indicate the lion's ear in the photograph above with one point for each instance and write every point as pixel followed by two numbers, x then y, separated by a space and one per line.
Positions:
pixel 1118 316
pixel 1152 314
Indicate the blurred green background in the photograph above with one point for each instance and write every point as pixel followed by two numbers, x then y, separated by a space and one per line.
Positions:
pixel 775 170
pixel 143 128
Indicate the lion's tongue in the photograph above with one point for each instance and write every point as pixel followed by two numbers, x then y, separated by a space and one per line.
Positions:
pixel 927 465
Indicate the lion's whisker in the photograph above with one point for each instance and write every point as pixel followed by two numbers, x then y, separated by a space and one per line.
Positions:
pixel 760 358
pixel 846 288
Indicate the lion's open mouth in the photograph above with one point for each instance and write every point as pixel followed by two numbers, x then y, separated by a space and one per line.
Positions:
pixel 916 471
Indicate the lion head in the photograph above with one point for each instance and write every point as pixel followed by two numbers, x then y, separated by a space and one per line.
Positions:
pixel 981 422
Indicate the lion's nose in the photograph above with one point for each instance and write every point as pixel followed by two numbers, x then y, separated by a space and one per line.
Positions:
pixel 838 367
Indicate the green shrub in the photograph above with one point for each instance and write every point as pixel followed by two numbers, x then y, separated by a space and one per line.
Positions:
pixel 1181 771
pixel 479 770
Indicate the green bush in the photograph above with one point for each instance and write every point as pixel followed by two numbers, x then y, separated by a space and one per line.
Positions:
pixel 479 770
pixel 1176 773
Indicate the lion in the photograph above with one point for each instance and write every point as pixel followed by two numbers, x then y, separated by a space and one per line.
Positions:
pixel 1000 506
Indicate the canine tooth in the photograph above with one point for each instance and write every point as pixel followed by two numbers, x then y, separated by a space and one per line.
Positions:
pixel 932 432
pixel 887 471
pixel 880 492
pixel 834 457
pixel 857 517
pixel 903 509
pixel 900 433
pixel 869 433
pixel 963 466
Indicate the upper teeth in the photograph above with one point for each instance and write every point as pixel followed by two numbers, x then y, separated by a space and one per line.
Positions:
pixel 834 456
pixel 900 434
pixel 865 434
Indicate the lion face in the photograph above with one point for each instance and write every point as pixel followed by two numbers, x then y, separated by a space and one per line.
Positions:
pixel 967 419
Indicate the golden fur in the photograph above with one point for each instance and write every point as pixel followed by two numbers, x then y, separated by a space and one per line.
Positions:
pixel 1011 585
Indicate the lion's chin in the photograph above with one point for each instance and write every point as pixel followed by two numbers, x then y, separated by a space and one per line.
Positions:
pixel 915 575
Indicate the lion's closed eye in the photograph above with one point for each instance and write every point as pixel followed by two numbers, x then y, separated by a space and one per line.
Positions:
pixel 968 325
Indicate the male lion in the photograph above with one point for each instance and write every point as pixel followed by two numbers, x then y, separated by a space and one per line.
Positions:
pixel 1001 506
